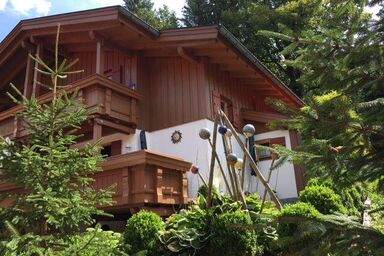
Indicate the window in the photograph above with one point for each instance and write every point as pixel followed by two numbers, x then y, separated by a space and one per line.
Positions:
pixel 106 151
pixel 227 107
pixel 265 154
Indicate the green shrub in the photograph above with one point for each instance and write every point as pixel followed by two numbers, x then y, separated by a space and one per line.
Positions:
pixel 300 209
pixel 231 236
pixel 323 198
pixel 186 232
pixel 142 231
pixel 95 242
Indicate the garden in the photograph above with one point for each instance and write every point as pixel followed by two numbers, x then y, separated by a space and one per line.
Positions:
pixel 339 54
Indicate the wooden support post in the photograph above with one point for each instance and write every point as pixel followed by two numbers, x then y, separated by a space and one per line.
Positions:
pixel 99 58
pixel 36 74
pixel 29 71
pixel 253 164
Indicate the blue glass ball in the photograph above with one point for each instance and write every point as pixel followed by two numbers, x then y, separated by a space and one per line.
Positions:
pixel 222 129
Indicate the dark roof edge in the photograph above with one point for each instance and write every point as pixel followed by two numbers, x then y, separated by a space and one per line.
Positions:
pixel 254 60
pixel 138 21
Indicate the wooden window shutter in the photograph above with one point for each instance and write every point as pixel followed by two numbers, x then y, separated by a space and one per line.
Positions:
pixel 236 116
pixel 278 141
pixel 216 102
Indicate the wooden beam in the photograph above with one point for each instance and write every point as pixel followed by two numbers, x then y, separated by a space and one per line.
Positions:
pixel 108 43
pixel 184 53
pixel 118 127
pixel 28 81
pixel 36 74
pixel 263 117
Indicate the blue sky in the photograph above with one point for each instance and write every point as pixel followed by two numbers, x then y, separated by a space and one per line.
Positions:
pixel 12 11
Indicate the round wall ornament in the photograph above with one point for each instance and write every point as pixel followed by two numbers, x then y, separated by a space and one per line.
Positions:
pixel 176 137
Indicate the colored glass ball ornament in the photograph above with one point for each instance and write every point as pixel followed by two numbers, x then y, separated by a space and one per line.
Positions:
pixel 194 169
pixel 274 156
pixel 222 129
pixel 205 134
pixel 249 130
pixel 228 133
pixel 239 164
pixel 231 158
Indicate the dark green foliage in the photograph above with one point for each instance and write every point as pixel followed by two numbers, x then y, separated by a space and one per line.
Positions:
pixel 244 18
pixel 141 232
pixel 228 236
pixel 323 198
pixel 292 211
pixel 300 209
pixel 186 232
pixel 328 235
pixel 340 55
pixel 162 18
pixel 57 176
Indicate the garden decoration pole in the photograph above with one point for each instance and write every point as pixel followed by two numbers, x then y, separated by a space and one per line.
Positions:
pixel 212 166
pixel 195 170
pixel 268 180
pixel 243 166
pixel 226 152
pixel 232 159
pixel 221 169
pixel 252 162
pixel 205 134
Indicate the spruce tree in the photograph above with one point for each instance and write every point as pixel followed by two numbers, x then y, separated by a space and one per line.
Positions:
pixel 55 179
pixel 341 57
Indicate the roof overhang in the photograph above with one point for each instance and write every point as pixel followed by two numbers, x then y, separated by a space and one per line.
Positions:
pixel 127 31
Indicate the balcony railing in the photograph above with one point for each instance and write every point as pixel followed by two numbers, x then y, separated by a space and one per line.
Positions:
pixel 105 98
pixel 142 179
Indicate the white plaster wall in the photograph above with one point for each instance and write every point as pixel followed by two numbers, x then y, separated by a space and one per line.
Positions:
pixel 190 148
pixel 283 179
pixel 198 151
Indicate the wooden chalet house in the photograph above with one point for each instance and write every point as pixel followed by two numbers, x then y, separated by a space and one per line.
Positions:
pixel 161 85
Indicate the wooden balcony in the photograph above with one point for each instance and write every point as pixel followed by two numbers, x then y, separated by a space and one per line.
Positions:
pixel 143 180
pixel 113 106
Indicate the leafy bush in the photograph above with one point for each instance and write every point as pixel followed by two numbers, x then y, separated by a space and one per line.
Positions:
pixel 323 198
pixel 300 209
pixel 232 236
pixel 142 231
pixel 92 242
pixel 186 232
pixel 95 242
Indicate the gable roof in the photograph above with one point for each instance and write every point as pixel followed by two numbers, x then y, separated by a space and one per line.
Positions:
pixel 203 41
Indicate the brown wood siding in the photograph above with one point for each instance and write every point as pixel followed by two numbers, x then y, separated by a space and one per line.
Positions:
pixel 221 82
pixel 120 65
pixel 176 91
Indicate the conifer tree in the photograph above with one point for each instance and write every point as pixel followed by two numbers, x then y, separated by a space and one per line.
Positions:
pixel 56 194
pixel 341 57
pixel 162 18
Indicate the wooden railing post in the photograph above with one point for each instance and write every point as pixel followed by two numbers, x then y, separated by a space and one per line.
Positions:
pixel 159 185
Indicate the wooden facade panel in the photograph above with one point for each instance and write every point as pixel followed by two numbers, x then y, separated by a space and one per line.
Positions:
pixel 176 92
pixel 220 83
pixel 139 178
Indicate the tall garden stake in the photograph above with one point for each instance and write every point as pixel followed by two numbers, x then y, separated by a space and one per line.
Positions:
pixel 252 162
pixel 212 166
